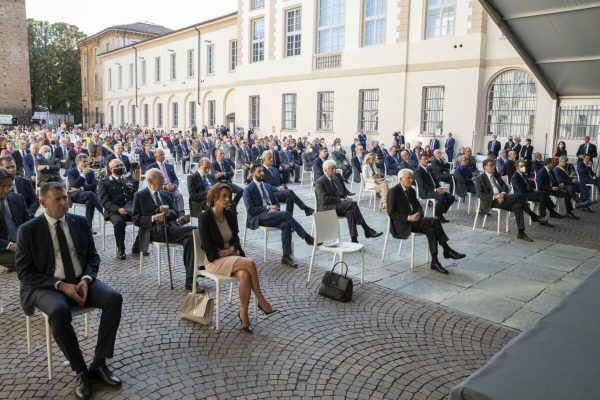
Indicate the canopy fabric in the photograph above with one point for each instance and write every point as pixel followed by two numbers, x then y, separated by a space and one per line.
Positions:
pixel 558 39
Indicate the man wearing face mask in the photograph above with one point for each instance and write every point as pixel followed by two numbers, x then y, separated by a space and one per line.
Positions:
pixel 47 167
pixel 341 161
pixel 83 186
pixel 523 187
pixel 116 195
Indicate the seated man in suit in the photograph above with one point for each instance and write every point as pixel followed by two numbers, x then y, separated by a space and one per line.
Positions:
pixel 118 153
pixel 282 193
pixel 171 182
pixel 183 152
pixel 116 194
pixel 341 161
pixel 29 163
pixel 586 173
pixel 357 162
pixel 77 149
pixel 392 162
pixel 308 157
pixel 463 178
pixel 500 161
pixel 263 210
pixel 440 169
pixel 318 164
pixel 522 186
pixel 199 184
pixel 83 188
pixel 546 182
pixel 332 195
pixel 21 185
pixel 243 159
pixel 571 185
pixel 429 188
pixel 493 193
pixel 59 272
pixel 222 170
pixel 537 162
pixel 47 167
pixel 288 165
pixel 13 213
pixel 406 216
pixel 405 162
pixel 509 165
pixel 154 207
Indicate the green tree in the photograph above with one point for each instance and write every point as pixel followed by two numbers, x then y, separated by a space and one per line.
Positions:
pixel 54 65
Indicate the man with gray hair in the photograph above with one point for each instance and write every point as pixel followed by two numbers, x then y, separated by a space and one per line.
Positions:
pixel 406 216
pixel 47 167
pixel 171 182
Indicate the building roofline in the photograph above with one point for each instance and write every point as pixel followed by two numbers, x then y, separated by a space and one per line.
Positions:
pixel 118 29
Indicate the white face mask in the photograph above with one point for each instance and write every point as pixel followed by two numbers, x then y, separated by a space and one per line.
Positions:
pixel 522 169
pixel 562 146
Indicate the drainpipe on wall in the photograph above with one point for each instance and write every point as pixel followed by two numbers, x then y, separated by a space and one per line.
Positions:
pixel 135 60
pixel 198 59
pixel 406 54
pixel 556 123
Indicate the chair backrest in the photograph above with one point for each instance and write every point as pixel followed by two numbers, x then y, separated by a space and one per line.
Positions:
pixel 199 254
pixel 417 189
pixel 453 185
pixel 535 179
pixel 314 196
pixel 327 227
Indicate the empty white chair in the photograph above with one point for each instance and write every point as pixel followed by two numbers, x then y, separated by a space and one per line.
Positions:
pixel 413 236
pixel 303 174
pixel 159 246
pixel 265 230
pixel 497 210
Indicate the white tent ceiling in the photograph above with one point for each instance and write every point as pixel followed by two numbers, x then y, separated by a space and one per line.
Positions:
pixel 558 39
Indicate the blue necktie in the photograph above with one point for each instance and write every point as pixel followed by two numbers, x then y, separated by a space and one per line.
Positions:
pixel 207 184
pixel 11 229
pixel 265 194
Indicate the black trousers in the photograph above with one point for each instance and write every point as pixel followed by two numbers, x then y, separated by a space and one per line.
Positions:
pixel 119 225
pixel 57 306
pixel 444 202
pixel 290 198
pixel 181 235
pixel 284 221
pixel 432 228
pixel 543 201
pixel 7 258
pixel 351 211
pixel 563 194
pixel 91 201
pixel 512 203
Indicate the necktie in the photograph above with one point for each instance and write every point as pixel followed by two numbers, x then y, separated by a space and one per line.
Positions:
pixel 336 187
pixel 65 254
pixel 430 177
pixel 247 156
pixel 183 151
pixel 11 229
pixel 207 184
pixel 157 199
pixel 409 203
pixel 163 168
pixel 266 198
pixel 493 181
pixel 222 168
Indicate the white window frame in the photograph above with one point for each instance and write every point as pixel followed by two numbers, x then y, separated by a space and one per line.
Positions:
pixel 175 114
pixel 288 111
pixel 293 32
pixel 173 64
pixel 432 110
pixel 374 13
pixel 232 55
pixel 368 110
pixel 256 4
pixel 143 68
pixel 146 115
pixel 440 18
pixel 210 59
pixel 192 113
pixel 190 63
pixel 331 29
pixel 258 43
pixel 211 113
pixel 157 69
pixel 325 110
pixel 159 115
pixel 254 111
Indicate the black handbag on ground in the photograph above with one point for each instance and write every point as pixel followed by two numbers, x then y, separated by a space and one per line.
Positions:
pixel 337 286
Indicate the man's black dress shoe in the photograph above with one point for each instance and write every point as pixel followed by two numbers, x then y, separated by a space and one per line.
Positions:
pixel 546 223
pixel 435 265
pixel 83 387
pixel 350 194
pixel 354 239
pixel 443 219
pixel 572 216
pixel 188 286
pixel 535 218
pixel 287 260
pixel 373 234
pixel 104 375
pixel 309 211
pixel 136 252
pixel 453 254
pixel 554 214
pixel 121 255
pixel 523 236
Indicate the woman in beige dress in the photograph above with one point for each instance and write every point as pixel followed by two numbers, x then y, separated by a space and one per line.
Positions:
pixel 224 254
pixel 373 180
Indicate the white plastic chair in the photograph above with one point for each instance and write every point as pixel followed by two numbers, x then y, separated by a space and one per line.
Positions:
pixel 363 189
pixel 497 210
pixel 75 311
pixel 413 236
pixel 128 223
pixel 327 229
pixel 159 246
pixel 460 199
pixel 265 230
pixel 303 173
pixel 219 280
pixel 431 201
pixel 594 192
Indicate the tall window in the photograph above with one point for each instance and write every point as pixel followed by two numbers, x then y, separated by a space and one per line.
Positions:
pixel 145 113
pixel 84 60
pixel 331 26
pixel 107 47
pixel 157 69
pixel 511 104
pixel 143 68
pixel 159 115
pixel 190 63
pixel 95 84
pixel 577 122
pixel 133 115
pixel 120 77
pixel 254 112
pixel 257 4
pixel 192 113
pixel 175 115
pixel 325 103
pixel 288 111
pixel 232 55
pixel 258 40
pixel 85 86
pixel 211 113
pixel 293 32
pixel 368 110
pixel 374 28
pixel 173 66
pixel 122 114
pixel 112 115
pixel 95 55
pixel 210 59
pixel 440 18
pixel 432 110
pixel 131 75
pixel 109 80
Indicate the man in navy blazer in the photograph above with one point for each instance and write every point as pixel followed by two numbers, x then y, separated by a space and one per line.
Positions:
pixel 494 146
pixel 546 182
pixel 357 162
pixel 282 193
pixel 183 152
pixel 13 214
pixel 83 188
pixel 318 164
pixel 587 148
pixel 434 143
pixel 222 170
pixel 449 147
pixel 59 272
pixel 430 188
pixel 262 209
pixel 29 162
pixel 586 174
pixel 22 186
pixel 118 153
pixel 171 180
pixel 392 162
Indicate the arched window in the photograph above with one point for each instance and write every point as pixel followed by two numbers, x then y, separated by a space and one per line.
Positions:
pixel 511 105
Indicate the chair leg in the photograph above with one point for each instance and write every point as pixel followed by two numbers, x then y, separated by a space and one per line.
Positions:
pixel 48 347
pixel 469 205
pixel 265 247
pixel 362 266
pixel 400 248
pixel 86 324
pixel 412 250
pixel 475 219
pixel 498 228
pixel 385 242
pixel 245 232
pixel 333 261
pixel 484 219
pixel 507 215
pixel 141 261
pixel 230 292
pixel 218 306
pixel 194 279
pixel 104 236
pixel 312 258
pixel 28 332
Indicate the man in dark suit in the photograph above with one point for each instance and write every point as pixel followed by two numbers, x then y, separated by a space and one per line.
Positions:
pixel 522 186
pixel 171 181
pixel 544 178
pixel 406 215
pixel 440 169
pixel 449 147
pixel 333 195
pixel 434 144
pixel 500 161
pixel 116 195
pixel 405 162
pixel 83 188
pixel 13 213
pixel 243 159
pixel 282 193
pixel 362 138
pixel 62 153
pixel 22 186
pixel 118 153
pixel 586 175
pixel 509 145
pixel 392 162
pixel 183 152
pixel 47 167
pixel 30 161
pixel 152 209
pixel 587 148
pixel 19 156
pixel 287 165
pixel 399 140
pixel 318 164
pixel 59 272
pixel 353 147
pixel 527 154
pixel 77 149
pixel 429 188
pixel 222 170
pixel 199 184
pixel 537 162
pixel 509 165
pixel 263 210
pixel 357 163
pixel 493 193
pixel 572 185
pixel 494 146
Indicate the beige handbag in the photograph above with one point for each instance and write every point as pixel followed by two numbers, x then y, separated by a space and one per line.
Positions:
pixel 197 308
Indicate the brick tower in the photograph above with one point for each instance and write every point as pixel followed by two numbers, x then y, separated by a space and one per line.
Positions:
pixel 15 89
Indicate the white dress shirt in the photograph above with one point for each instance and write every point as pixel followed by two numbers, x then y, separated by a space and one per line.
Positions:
pixel 59 271
pixel 491 178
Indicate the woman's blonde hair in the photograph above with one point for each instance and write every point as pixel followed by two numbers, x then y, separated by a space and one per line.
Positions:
pixel 370 156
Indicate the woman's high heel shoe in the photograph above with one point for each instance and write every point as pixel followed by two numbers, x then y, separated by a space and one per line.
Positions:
pixel 271 311
pixel 247 329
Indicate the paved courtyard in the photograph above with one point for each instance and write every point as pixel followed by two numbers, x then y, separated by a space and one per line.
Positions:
pixel 408 334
